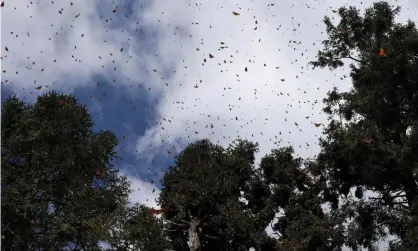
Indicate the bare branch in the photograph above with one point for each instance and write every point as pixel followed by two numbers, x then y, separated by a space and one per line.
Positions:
pixel 177 224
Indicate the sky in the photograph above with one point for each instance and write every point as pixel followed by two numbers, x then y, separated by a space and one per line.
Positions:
pixel 162 73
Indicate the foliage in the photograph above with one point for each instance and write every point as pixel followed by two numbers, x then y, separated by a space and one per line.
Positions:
pixel 58 187
pixel 136 229
pixel 302 224
pixel 201 193
pixel 371 141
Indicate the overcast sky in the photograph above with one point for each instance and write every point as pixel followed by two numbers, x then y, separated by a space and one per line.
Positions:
pixel 144 71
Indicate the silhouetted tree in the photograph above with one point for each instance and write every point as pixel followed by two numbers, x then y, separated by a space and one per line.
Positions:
pixel 371 142
pixel 202 192
pixel 59 187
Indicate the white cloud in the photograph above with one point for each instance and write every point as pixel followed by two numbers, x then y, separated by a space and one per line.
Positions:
pixel 65 51
pixel 253 97
pixel 143 192
pixel 38 33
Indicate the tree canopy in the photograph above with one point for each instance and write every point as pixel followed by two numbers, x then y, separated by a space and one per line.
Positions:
pixel 59 187
pixel 371 140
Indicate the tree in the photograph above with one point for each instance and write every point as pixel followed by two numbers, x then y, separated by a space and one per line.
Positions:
pixel 59 187
pixel 295 195
pixel 137 229
pixel 371 142
pixel 201 194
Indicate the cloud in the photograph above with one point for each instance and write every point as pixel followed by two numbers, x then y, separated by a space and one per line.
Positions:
pixel 143 192
pixel 63 47
pixel 264 103
pixel 164 44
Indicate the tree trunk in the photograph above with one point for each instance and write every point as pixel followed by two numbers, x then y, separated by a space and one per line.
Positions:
pixel 411 189
pixel 193 240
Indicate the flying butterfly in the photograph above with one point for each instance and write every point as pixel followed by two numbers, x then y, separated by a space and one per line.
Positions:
pixel 368 139
pixel 100 172
pixel 156 211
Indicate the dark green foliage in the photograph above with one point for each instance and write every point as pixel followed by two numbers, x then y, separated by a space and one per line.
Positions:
pixel 296 196
pixel 201 194
pixel 367 145
pixel 136 229
pixel 51 194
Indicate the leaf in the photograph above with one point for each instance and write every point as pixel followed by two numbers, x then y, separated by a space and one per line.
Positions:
pixel 235 13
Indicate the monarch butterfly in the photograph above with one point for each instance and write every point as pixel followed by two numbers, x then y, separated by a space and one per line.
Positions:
pixel 39 88
pixel 368 139
pixel 382 52
pixel 235 13
pixel 317 124
pixel 156 211
pixel 211 56
pixel 61 102
pixel 100 172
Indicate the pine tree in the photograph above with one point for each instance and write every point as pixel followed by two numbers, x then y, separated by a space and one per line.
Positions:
pixel 137 229
pixel 59 187
pixel 201 194
pixel 371 142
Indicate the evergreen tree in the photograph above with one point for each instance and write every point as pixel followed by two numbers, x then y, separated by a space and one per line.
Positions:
pixel 302 223
pixel 59 187
pixel 371 143
pixel 137 229
pixel 201 194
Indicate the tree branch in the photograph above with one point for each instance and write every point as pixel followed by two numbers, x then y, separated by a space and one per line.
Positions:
pixel 181 225
pixel 349 57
